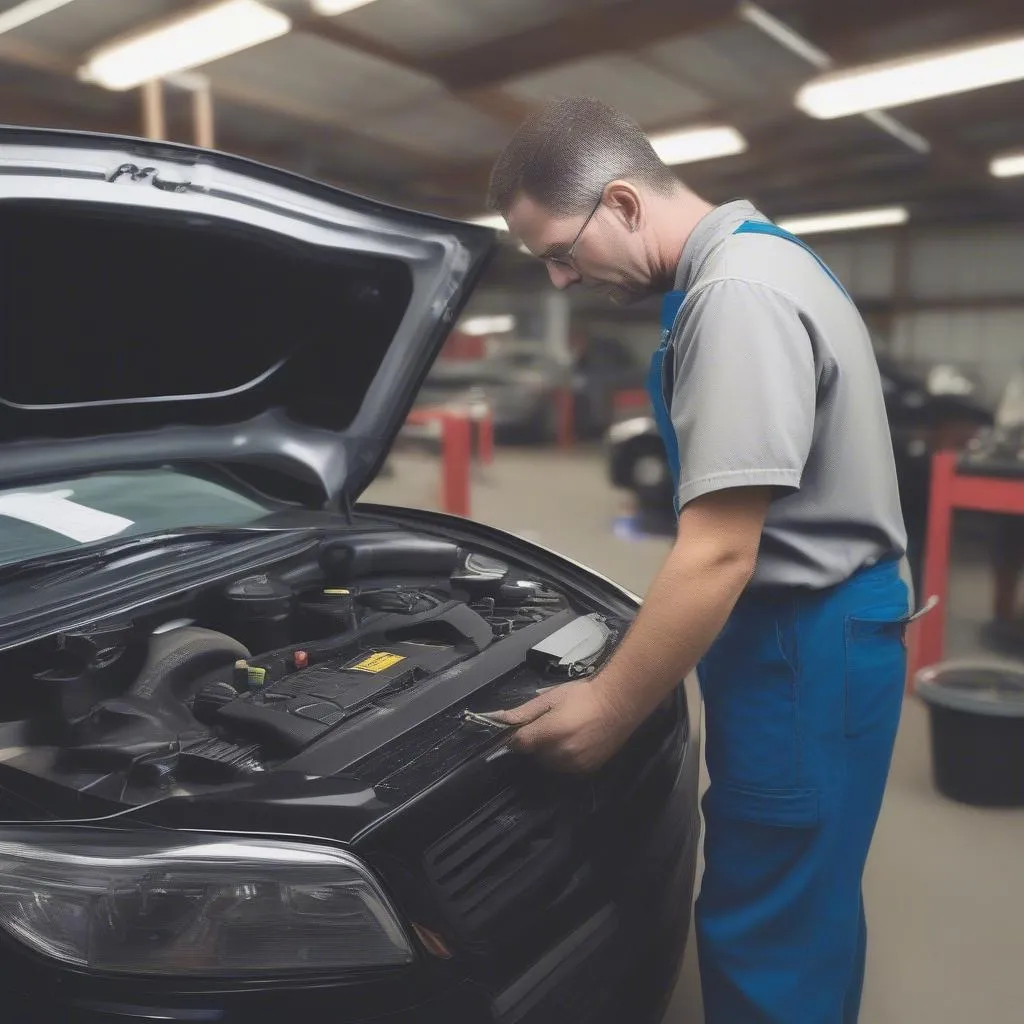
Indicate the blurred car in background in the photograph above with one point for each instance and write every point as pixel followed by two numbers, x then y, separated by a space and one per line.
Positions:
pixel 929 406
pixel 637 463
pixel 522 386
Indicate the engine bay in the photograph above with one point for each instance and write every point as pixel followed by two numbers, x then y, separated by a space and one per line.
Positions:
pixel 307 667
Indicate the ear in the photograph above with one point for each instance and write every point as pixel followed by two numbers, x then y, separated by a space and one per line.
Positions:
pixel 623 199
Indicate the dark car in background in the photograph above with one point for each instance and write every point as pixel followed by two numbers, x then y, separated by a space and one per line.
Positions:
pixel 523 388
pixel 929 407
pixel 244 772
pixel 520 388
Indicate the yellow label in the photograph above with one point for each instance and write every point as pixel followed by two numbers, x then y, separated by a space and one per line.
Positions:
pixel 336 592
pixel 378 662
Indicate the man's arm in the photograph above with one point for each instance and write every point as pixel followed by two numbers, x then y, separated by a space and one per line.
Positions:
pixel 709 566
pixel 579 726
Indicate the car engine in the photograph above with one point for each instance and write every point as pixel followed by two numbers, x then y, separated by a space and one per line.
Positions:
pixel 311 667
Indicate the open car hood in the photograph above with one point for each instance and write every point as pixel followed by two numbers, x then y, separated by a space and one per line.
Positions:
pixel 162 305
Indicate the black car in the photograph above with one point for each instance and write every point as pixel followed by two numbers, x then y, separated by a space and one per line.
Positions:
pixel 522 387
pixel 246 771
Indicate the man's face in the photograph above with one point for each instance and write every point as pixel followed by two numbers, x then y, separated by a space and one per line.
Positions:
pixel 594 248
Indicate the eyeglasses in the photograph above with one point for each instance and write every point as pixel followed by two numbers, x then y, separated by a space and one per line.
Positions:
pixel 567 259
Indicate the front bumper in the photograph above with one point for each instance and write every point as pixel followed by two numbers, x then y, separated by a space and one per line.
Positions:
pixel 619 963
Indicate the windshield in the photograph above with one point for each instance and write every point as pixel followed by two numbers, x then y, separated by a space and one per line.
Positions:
pixel 40 521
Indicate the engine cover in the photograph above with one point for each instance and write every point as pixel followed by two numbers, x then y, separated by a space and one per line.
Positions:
pixel 293 711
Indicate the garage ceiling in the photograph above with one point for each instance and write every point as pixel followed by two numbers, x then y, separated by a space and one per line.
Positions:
pixel 410 100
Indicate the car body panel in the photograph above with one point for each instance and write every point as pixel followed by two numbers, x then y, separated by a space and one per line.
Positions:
pixel 405 274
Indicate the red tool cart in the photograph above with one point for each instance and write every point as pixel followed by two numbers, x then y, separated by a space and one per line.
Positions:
pixel 952 489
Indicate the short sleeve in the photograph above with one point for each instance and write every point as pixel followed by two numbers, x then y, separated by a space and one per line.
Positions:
pixel 743 399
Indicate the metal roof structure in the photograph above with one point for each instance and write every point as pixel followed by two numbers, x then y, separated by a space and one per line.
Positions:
pixel 410 100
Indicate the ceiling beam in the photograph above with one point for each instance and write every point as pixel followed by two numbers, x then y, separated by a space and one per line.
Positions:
pixel 849 31
pixel 950 166
pixel 623 26
pixel 489 101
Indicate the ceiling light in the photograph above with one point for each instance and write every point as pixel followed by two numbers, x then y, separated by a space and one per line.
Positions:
pixel 329 8
pixel 28 11
pixel 850 220
pixel 482 325
pixel 491 220
pixel 1009 165
pixel 899 82
pixel 198 38
pixel 694 144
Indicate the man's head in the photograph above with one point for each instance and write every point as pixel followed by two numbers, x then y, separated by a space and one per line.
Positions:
pixel 581 186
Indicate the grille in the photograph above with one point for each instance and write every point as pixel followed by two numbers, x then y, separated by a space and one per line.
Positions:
pixel 507 852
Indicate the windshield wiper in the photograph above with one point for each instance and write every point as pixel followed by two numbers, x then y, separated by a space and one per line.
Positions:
pixel 96 556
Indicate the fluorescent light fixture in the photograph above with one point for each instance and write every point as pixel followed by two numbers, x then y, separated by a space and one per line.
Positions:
pixel 790 40
pixel 491 220
pixel 851 220
pixel 479 326
pixel 329 8
pixel 912 79
pixel 692 144
pixel 186 42
pixel 28 11
pixel 1009 165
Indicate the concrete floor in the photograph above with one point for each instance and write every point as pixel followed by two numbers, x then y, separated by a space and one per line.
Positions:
pixel 945 884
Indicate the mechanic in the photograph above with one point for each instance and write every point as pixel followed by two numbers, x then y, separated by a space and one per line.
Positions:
pixel 786 586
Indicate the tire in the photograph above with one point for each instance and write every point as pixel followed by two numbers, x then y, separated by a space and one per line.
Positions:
pixel 649 477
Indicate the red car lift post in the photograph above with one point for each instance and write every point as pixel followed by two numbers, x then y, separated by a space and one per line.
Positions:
pixel 456 429
pixel 951 490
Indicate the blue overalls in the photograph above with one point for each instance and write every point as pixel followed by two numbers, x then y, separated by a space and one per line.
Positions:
pixel 803 691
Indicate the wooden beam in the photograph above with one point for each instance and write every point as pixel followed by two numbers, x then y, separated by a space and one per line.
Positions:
pixel 202 116
pixel 154 123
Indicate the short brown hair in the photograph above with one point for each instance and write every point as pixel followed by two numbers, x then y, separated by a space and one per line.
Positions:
pixel 565 153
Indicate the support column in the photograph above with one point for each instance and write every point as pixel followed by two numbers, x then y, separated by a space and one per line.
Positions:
pixel 202 116
pixel 557 318
pixel 154 122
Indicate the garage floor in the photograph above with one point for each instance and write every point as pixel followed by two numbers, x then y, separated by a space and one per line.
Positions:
pixel 945 884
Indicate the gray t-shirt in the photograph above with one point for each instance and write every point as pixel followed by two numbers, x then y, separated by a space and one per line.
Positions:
pixel 776 384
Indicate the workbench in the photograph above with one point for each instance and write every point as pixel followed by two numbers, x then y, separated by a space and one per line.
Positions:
pixel 952 489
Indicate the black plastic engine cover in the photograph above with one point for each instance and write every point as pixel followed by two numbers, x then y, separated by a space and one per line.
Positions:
pixel 300 707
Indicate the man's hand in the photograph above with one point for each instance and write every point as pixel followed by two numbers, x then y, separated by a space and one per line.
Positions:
pixel 579 726
pixel 572 728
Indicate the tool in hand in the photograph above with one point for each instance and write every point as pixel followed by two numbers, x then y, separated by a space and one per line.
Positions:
pixel 484 721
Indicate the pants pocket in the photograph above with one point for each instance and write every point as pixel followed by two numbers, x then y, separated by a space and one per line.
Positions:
pixel 876 667
pixel 775 808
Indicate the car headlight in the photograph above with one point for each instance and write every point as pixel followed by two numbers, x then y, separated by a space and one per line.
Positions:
pixel 162 904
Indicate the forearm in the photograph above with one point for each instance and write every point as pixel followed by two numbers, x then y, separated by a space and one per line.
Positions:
pixel 685 609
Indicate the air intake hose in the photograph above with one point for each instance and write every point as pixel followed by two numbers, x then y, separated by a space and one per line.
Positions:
pixel 152 716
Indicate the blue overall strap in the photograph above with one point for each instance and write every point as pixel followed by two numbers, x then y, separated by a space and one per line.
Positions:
pixel 656 383
pixel 760 227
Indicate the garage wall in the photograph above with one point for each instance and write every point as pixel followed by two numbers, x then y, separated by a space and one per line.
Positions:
pixel 961 297
pixel 953 294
